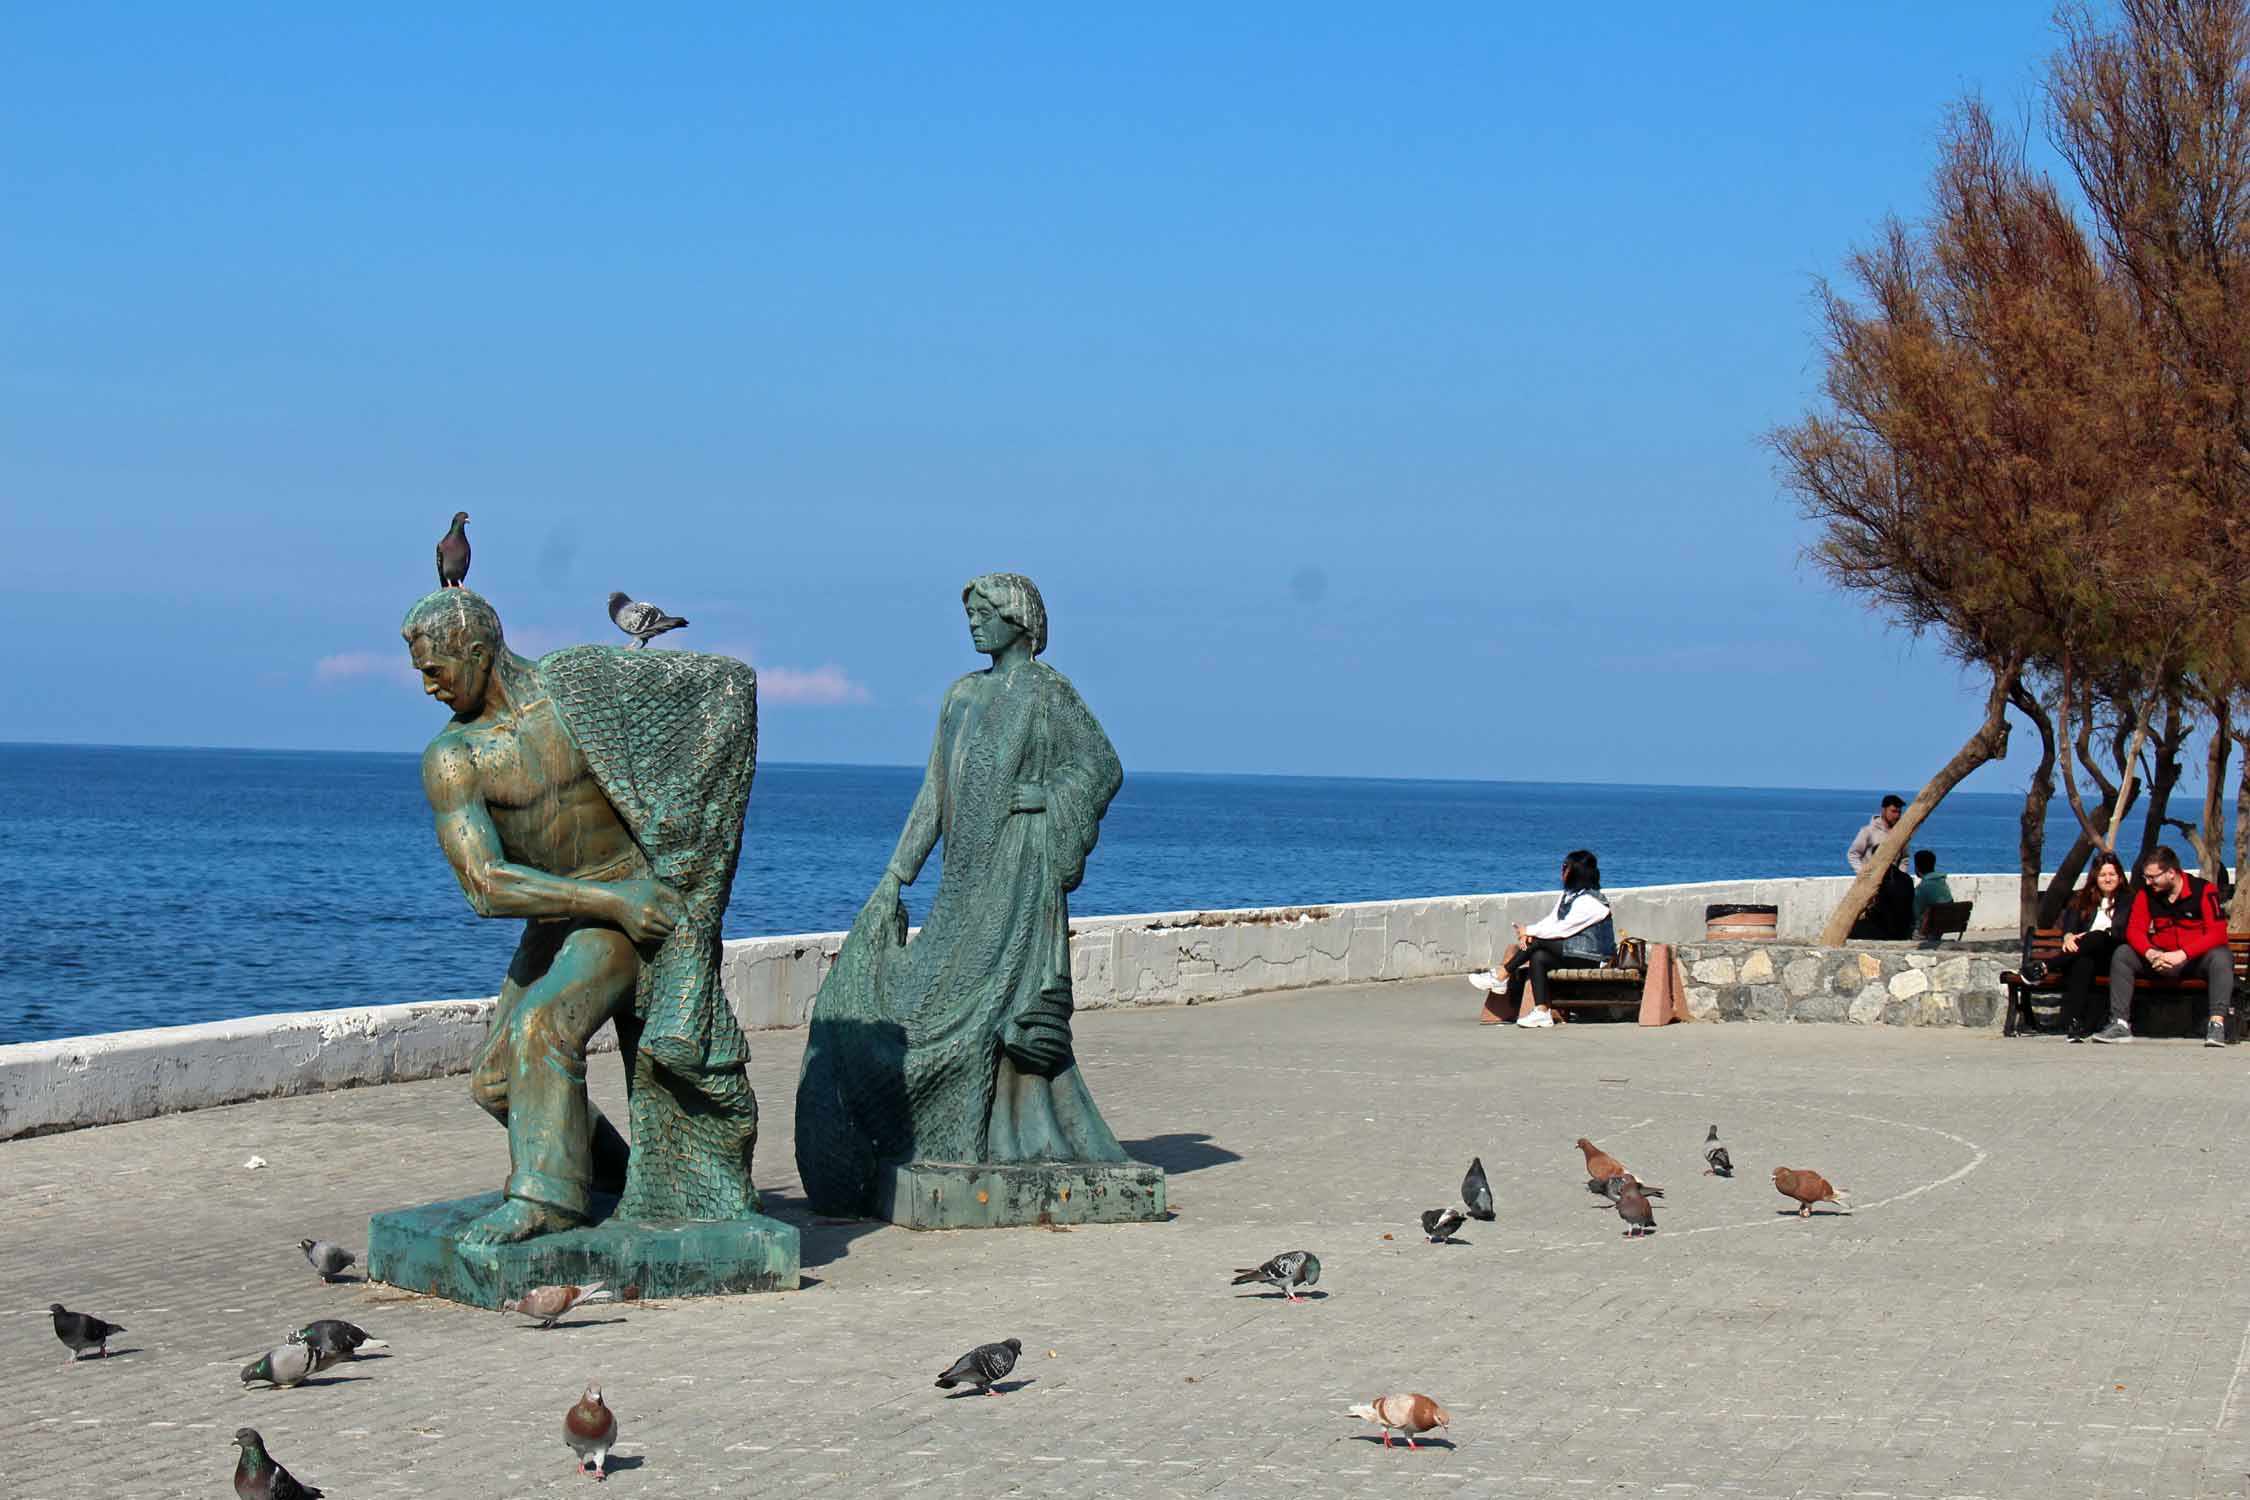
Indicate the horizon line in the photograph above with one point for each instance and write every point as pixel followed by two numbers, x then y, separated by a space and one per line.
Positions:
pixel 849 765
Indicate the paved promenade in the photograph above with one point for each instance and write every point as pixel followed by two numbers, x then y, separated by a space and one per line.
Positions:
pixel 2042 1293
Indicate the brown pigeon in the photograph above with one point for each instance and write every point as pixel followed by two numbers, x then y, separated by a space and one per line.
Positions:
pixel 1634 1208
pixel 1600 1165
pixel 1807 1188
pixel 1407 1413
pixel 453 553
pixel 591 1429
pixel 547 1303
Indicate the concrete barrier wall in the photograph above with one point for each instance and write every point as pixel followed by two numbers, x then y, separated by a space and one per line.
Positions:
pixel 1165 958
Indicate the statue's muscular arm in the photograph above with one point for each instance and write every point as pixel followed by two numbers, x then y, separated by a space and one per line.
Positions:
pixel 498 888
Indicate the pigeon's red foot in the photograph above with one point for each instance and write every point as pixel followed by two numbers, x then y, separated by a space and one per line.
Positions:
pixel 1386 1437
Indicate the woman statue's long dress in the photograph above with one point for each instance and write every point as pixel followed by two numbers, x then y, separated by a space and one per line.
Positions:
pixel 957 1047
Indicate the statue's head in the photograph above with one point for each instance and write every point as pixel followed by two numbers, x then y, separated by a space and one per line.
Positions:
pixel 455 640
pixel 1003 607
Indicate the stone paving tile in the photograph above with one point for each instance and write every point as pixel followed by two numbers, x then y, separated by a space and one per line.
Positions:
pixel 2040 1295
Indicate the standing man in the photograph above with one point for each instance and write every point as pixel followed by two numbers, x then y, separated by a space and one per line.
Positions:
pixel 1891 913
pixel 2176 930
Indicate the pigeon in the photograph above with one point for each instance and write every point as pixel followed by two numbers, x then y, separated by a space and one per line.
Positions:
pixel 591 1430
pixel 331 1261
pixel 1407 1413
pixel 453 553
pixel 334 1339
pixel 643 622
pixel 1611 1187
pixel 1633 1208
pixel 1722 1165
pixel 547 1303
pixel 83 1331
pixel 1289 1270
pixel 1807 1188
pixel 1599 1163
pixel 286 1365
pixel 982 1366
pixel 1476 1193
pixel 1439 1223
pixel 258 1477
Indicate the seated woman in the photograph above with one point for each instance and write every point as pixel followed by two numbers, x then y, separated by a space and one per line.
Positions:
pixel 2093 925
pixel 1578 934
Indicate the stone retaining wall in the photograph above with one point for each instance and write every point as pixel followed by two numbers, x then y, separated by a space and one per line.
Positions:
pixel 1889 984
pixel 1164 958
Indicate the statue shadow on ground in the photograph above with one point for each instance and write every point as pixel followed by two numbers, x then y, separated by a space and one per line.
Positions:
pixel 1179 1153
pixel 821 1238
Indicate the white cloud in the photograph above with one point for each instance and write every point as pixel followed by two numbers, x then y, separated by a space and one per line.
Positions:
pixel 342 666
pixel 820 685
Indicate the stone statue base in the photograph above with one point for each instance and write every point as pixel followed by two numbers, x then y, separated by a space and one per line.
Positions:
pixel 420 1250
pixel 962 1195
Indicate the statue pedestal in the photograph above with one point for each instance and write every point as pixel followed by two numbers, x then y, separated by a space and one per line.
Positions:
pixel 969 1195
pixel 420 1249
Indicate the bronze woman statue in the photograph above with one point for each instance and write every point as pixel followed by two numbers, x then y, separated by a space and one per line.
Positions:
pixel 957 1047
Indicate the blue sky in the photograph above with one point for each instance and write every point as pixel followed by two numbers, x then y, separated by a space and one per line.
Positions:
pixel 1357 392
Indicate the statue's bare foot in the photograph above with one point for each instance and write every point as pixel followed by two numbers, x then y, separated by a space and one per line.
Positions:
pixel 516 1219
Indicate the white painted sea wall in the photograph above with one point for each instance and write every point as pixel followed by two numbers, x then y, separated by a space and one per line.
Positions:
pixel 1163 958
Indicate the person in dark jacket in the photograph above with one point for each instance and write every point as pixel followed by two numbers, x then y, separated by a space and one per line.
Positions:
pixel 2176 930
pixel 2093 924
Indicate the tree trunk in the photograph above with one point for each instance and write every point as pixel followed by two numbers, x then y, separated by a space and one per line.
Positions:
pixel 2066 879
pixel 2168 742
pixel 2211 842
pixel 1989 743
pixel 2032 836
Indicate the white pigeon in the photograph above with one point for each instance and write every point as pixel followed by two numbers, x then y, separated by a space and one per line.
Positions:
pixel 643 622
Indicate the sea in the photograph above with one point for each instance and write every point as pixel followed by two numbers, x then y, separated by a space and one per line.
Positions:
pixel 156 887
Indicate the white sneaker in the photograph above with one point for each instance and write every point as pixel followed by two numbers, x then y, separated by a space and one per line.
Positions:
pixel 1536 1017
pixel 1489 982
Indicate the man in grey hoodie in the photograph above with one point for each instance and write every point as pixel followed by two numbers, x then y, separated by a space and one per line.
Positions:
pixel 1891 913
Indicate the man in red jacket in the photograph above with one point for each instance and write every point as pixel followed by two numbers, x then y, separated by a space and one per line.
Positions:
pixel 2176 930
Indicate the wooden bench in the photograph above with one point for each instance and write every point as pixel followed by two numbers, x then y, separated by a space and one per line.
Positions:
pixel 2046 944
pixel 1942 919
pixel 1607 986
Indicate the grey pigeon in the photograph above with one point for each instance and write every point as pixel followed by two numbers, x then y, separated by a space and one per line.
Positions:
pixel 1289 1270
pixel 643 622
pixel 1722 1165
pixel 83 1331
pixel 453 553
pixel 1610 1187
pixel 258 1477
pixel 331 1261
pixel 1439 1223
pixel 982 1366
pixel 285 1365
pixel 1476 1193
pixel 334 1339
pixel 1633 1208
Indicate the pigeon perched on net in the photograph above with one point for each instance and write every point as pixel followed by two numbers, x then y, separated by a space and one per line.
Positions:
pixel 591 1430
pixel 1476 1193
pixel 258 1477
pixel 1289 1270
pixel 453 553
pixel 643 622
pixel 331 1261
pixel 1633 1207
pixel 982 1366
pixel 1407 1413
pixel 333 1339
pixel 1722 1165
pixel 1439 1223
pixel 83 1331
pixel 286 1365
pixel 547 1303
pixel 1611 1188
pixel 1807 1188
